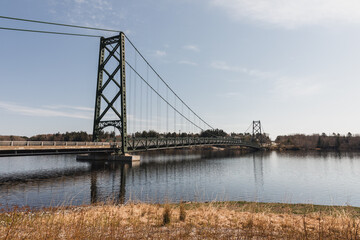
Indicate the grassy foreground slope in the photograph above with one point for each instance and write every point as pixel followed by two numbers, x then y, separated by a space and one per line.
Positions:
pixel 218 220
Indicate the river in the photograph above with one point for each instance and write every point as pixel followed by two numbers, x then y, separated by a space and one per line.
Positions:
pixel 326 178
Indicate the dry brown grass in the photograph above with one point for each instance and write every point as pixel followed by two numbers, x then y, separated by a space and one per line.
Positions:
pixel 203 221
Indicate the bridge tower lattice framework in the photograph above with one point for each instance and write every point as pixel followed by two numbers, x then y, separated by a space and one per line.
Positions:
pixel 107 54
pixel 256 131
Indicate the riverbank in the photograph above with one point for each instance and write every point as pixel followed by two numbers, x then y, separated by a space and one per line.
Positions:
pixel 217 220
pixel 331 142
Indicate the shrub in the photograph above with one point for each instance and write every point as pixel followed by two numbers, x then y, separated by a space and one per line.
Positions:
pixel 166 214
pixel 182 215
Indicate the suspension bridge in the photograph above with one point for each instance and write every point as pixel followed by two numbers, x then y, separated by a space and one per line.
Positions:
pixel 130 69
pixel 144 112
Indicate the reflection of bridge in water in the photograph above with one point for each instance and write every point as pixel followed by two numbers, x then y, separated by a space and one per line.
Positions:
pixel 101 181
pixel 71 182
pixel 118 196
pixel 258 162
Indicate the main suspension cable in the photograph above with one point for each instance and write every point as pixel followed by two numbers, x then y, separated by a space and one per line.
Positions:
pixel 166 83
pixel 194 124
pixel 59 24
pixel 49 32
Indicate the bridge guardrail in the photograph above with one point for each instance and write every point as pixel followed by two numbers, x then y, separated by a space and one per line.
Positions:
pixel 49 143
pixel 135 144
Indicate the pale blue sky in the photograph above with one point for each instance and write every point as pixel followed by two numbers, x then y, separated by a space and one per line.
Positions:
pixel 294 65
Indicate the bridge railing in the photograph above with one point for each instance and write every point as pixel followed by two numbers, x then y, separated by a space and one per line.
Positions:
pixel 49 143
pixel 138 144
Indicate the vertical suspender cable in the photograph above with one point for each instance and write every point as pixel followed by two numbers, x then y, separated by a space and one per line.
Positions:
pixel 147 99
pixel 135 115
pixel 182 119
pixel 141 106
pixel 165 82
pixel 151 111
pixel 188 124
pixel 129 98
pixel 158 109
pixel 167 111
pixel 175 117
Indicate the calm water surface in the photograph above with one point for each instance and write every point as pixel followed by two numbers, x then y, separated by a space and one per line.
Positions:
pixel 298 177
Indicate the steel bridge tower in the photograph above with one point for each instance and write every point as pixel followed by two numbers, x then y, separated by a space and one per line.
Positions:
pixel 112 65
pixel 256 131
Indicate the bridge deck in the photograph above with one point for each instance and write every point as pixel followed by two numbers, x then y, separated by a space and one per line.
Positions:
pixel 24 148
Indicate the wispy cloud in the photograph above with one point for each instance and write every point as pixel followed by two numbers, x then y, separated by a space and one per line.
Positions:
pixel 69 107
pixel 191 48
pixel 282 85
pixel 221 65
pixel 286 86
pixel 160 53
pixel 293 13
pixel 45 112
pixel 188 63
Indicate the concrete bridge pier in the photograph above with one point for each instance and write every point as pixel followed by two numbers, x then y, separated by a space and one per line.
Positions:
pixel 126 158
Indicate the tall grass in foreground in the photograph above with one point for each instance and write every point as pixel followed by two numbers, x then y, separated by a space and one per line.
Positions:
pixel 232 220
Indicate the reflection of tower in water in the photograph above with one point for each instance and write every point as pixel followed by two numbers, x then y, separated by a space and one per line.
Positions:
pixel 93 186
pixel 258 162
pixel 123 169
pixel 96 168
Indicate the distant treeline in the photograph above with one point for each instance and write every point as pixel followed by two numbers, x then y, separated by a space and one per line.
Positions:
pixel 263 138
pixel 109 136
pixel 317 141
pixel 206 133
pixel 68 136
